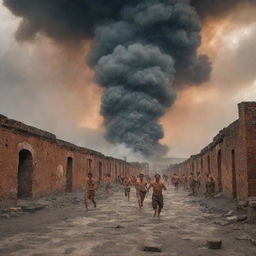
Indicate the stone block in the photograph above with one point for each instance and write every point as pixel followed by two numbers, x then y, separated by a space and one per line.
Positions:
pixel 214 244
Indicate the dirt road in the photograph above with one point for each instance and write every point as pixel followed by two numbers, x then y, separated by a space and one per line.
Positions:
pixel 117 227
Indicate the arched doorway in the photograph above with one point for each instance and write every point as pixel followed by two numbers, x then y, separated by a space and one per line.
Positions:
pixel 69 175
pixel 234 189
pixel 219 171
pixel 25 174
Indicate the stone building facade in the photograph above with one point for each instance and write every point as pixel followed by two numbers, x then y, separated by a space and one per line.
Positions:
pixel 35 163
pixel 230 158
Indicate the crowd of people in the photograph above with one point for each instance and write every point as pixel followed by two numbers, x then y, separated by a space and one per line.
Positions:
pixel 142 184
pixel 196 184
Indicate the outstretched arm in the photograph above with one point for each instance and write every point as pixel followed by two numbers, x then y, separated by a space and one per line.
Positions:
pixel 150 186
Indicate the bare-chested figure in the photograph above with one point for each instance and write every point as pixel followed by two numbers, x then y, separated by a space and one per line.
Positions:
pixel 90 188
pixel 141 189
pixel 127 187
pixel 184 181
pixel 175 181
pixel 133 180
pixel 157 196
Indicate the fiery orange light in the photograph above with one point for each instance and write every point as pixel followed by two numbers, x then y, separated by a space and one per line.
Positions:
pixel 191 98
pixel 212 32
pixel 79 77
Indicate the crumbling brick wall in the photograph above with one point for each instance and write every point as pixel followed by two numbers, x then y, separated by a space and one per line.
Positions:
pixel 230 158
pixel 50 161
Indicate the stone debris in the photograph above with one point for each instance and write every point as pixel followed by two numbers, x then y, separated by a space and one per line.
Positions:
pixel 228 214
pixel 173 227
pixel 242 218
pixel 243 237
pixel 33 207
pixel 247 238
pixel 15 209
pixel 5 216
pixel 252 204
pixel 232 218
pixel 242 205
pixel 151 249
pixel 214 244
pixel 119 226
pixel 252 212
pixel 222 222
pixel 218 195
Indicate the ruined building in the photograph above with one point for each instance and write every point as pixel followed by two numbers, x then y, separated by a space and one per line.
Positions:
pixel 35 163
pixel 230 158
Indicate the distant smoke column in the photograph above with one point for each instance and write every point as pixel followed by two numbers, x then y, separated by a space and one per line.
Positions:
pixel 140 60
pixel 142 51
pixel 139 80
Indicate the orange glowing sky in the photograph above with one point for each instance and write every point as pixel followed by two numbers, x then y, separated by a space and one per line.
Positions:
pixel 201 111
pixel 59 93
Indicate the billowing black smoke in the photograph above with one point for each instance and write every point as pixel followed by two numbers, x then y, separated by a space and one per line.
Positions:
pixel 141 52
pixel 140 60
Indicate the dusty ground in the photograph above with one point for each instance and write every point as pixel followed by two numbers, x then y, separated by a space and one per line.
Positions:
pixel 117 227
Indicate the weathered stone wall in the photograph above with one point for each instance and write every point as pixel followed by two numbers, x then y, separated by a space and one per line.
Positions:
pixel 50 161
pixel 231 157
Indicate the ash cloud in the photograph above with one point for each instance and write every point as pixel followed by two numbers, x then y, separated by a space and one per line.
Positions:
pixel 142 51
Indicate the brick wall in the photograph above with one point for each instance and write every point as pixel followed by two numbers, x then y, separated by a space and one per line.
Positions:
pixel 49 163
pixel 231 157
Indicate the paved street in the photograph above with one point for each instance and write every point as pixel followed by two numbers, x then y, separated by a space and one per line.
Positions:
pixel 117 227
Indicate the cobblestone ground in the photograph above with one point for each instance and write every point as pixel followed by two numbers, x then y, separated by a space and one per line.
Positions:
pixel 117 227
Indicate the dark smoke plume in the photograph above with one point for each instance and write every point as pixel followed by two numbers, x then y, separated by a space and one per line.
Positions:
pixel 141 52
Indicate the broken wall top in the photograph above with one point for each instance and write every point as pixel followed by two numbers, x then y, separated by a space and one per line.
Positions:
pixel 22 128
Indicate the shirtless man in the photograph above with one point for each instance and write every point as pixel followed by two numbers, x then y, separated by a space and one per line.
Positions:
pixel 133 180
pixel 127 187
pixel 157 196
pixel 141 190
pixel 175 181
pixel 184 181
pixel 90 188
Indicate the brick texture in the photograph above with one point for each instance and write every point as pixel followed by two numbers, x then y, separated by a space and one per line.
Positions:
pixel 231 157
pixel 50 161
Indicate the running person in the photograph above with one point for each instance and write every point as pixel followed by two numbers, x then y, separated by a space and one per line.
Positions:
pixel 90 188
pixel 141 190
pixel 175 181
pixel 157 196
pixel 127 187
